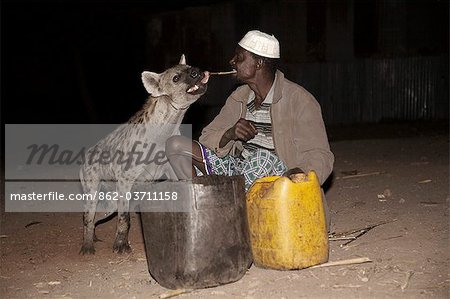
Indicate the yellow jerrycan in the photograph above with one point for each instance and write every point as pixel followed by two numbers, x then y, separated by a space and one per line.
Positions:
pixel 287 222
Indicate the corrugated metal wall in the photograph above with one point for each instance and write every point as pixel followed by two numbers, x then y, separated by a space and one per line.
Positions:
pixel 371 90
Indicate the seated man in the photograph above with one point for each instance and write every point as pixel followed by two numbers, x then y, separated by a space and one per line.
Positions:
pixel 268 126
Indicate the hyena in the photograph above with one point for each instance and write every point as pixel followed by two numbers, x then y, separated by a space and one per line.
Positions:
pixel 171 94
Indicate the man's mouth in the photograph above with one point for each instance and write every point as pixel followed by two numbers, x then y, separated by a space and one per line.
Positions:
pixel 200 85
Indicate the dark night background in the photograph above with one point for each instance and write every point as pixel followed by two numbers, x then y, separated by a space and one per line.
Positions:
pixel 80 61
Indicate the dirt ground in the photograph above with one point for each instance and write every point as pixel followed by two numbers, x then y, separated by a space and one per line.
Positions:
pixel 404 181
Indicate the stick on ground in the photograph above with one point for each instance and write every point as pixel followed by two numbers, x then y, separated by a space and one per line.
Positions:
pixel 174 293
pixel 359 260
pixel 407 278
pixel 361 175
pixel 359 231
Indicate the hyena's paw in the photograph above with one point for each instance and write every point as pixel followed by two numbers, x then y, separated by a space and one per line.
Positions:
pixel 87 249
pixel 121 247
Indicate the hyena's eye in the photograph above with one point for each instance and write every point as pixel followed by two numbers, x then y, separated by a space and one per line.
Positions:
pixel 176 78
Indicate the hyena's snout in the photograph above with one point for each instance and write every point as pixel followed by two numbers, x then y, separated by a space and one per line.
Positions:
pixel 195 73
pixel 198 81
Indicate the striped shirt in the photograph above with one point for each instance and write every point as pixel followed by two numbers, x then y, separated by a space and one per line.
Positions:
pixel 263 123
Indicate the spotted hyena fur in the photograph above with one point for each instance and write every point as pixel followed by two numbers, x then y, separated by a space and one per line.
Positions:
pixel 171 93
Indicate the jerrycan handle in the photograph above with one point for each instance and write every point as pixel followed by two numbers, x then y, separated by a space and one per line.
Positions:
pixel 302 177
pixel 269 184
pixel 298 177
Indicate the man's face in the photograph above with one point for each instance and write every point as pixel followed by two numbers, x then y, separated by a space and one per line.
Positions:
pixel 244 63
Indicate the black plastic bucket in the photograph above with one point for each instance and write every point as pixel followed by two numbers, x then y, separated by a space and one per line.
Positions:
pixel 205 246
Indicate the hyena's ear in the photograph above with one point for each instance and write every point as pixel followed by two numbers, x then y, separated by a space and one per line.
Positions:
pixel 151 83
pixel 182 60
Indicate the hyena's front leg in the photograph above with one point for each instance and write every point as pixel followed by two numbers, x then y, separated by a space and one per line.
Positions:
pixel 121 244
pixel 89 217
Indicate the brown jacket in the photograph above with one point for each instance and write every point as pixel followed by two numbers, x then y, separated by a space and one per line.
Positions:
pixel 299 134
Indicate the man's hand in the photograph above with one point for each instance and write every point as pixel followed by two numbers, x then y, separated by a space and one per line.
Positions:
pixel 243 130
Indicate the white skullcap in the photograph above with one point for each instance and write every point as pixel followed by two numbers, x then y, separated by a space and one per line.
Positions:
pixel 261 44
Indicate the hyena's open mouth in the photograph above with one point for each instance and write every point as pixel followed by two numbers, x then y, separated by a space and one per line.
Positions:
pixel 201 85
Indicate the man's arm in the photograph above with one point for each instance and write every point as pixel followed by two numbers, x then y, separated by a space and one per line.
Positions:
pixel 311 141
pixel 213 135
